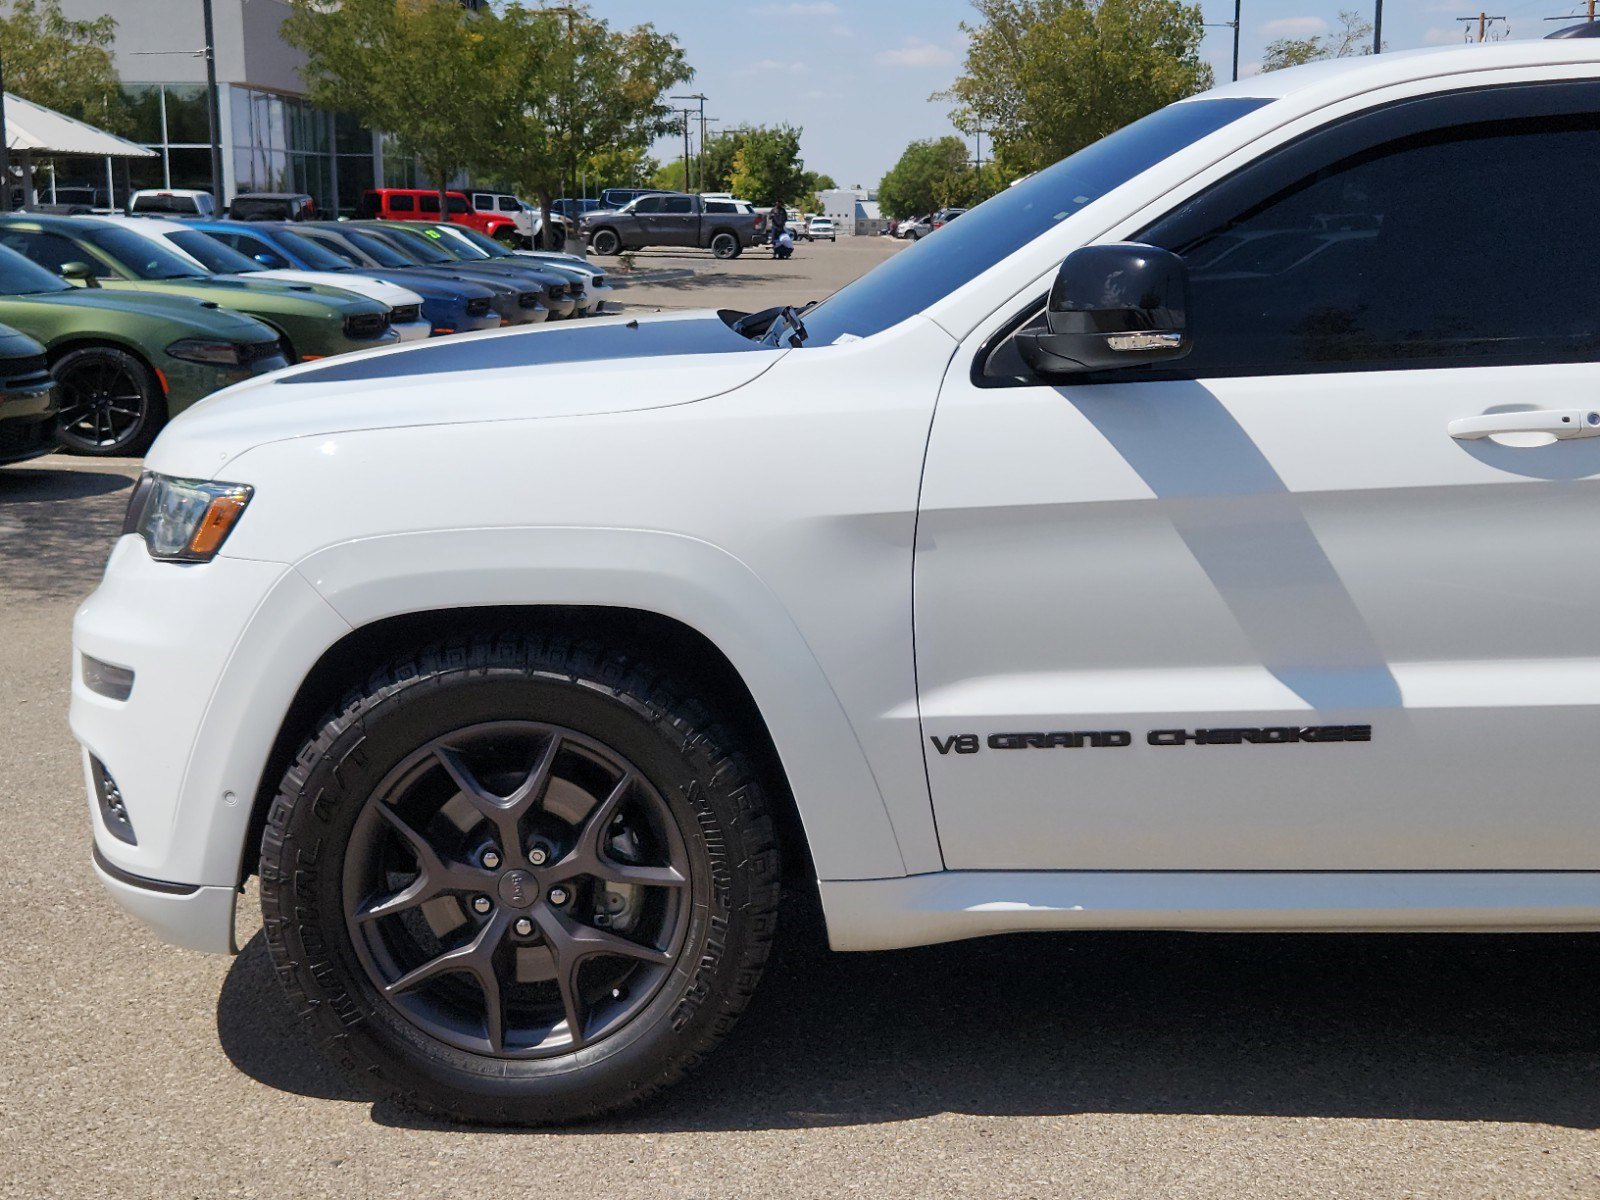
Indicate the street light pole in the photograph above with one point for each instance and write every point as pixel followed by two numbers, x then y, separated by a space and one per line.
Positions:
pixel 1238 6
pixel 213 112
pixel 700 166
pixel 1377 29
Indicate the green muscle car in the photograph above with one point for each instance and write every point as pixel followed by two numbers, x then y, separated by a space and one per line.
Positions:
pixel 314 321
pixel 126 361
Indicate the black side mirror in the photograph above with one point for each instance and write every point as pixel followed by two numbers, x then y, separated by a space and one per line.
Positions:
pixel 1111 306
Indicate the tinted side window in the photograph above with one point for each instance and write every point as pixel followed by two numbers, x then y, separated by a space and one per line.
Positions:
pixel 428 204
pixel 1454 247
pixel 650 204
pixel 720 206
pixel 406 204
pixel 458 204
pixel 51 251
pixel 677 206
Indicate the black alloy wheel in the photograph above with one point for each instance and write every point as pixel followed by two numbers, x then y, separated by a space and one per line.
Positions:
pixel 606 242
pixel 531 861
pixel 111 403
pixel 725 245
pixel 519 880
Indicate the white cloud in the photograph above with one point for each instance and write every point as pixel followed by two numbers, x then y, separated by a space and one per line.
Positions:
pixel 1295 27
pixel 821 9
pixel 916 53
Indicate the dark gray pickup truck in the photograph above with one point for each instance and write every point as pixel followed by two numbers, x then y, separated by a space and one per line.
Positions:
pixel 725 227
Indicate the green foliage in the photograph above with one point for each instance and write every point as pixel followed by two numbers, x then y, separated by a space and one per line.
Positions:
pixel 419 69
pixel 618 166
pixel 1353 38
pixel 1044 78
pixel 63 64
pixel 569 91
pixel 929 174
pixel 766 167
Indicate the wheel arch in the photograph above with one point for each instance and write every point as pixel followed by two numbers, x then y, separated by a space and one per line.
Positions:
pixel 683 652
pixel 99 339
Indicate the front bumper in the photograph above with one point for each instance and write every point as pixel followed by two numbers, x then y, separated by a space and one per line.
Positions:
pixel 413 331
pixel 27 423
pixel 217 651
pixel 196 918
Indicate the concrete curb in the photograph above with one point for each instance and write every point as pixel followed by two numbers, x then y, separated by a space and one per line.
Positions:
pixel 637 277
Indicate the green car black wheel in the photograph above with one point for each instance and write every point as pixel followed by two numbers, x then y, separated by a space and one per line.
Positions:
pixel 111 403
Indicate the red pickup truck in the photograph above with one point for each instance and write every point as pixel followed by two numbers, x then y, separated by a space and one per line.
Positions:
pixel 422 204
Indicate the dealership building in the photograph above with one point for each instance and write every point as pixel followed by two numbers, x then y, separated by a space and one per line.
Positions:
pixel 273 139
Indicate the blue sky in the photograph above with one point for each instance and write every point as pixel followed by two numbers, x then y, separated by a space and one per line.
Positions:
pixel 857 74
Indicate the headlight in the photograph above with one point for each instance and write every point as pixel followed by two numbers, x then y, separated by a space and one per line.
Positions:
pixel 203 350
pixel 184 520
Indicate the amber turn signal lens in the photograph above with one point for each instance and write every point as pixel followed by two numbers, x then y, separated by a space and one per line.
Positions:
pixel 217 523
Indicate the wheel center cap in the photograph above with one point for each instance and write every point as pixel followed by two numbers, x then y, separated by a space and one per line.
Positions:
pixel 519 889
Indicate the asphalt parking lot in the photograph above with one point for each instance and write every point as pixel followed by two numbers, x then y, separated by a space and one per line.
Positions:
pixel 1086 1065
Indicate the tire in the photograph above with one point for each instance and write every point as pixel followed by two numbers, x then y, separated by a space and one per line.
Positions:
pixel 605 242
pixel 725 245
pixel 555 240
pixel 111 403
pixel 507 235
pixel 398 768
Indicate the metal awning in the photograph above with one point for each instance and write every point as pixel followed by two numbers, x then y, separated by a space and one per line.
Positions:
pixel 34 129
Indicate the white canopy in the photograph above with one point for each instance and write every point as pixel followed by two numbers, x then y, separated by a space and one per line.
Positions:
pixel 38 130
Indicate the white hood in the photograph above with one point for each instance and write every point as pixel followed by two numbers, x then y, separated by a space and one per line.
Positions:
pixel 607 365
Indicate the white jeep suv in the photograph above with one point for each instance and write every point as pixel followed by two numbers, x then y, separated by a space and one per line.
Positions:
pixel 1200 534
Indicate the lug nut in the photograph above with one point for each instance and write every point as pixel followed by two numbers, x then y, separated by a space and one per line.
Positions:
pixel 524 927
pixel 538 855
pixel 482 904
pixel 491 860
pixel 558 896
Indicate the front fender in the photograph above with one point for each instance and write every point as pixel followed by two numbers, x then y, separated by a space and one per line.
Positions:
pixel 689 580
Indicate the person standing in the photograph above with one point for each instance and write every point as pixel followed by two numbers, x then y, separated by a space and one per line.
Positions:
pixel 780 218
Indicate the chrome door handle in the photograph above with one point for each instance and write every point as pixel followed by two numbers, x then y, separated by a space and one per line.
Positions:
pixel 1560 423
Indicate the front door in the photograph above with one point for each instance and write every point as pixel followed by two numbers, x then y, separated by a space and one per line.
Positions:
pixel 1285 608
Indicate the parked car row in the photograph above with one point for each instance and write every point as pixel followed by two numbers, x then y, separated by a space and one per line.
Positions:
pixel 109 326
pixel 917 228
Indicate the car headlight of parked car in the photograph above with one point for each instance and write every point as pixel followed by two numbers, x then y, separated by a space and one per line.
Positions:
pixel 205 350
pixel 184 520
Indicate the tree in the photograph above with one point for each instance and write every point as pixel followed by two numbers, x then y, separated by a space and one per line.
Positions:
pixel 767 168
pixel 925 178
pixel 1045 78
pixel 1353 38
pixel 618 166
pixel 420 70
pixel 65 65
pixel 569 89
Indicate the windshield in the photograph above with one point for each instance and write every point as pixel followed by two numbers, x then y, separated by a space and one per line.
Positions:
pixel 134 252
pixel 380 251
pixel 417 246
pixel 470 242
pixel 959 252
pixel 213 255
pixel 19 277
pixel 315 256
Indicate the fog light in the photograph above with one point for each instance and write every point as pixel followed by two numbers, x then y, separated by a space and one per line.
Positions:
pixel 114 683
pixel 112 810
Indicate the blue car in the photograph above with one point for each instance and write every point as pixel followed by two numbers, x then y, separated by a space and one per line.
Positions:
pixel 451 306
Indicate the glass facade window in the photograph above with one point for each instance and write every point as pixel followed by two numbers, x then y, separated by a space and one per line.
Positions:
pixel 279 144
pixel 169 118
pixel 285 144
